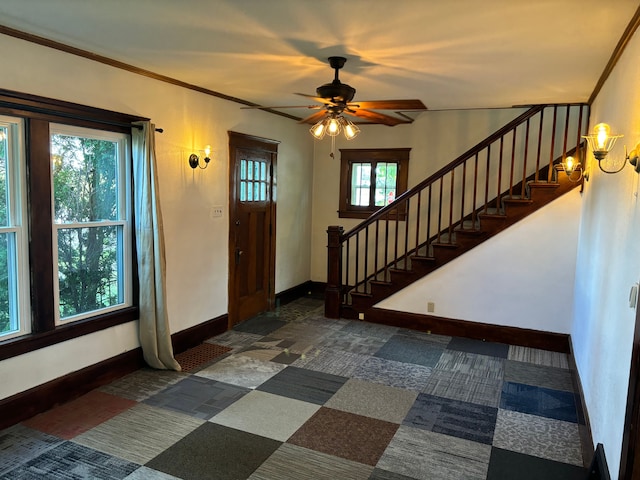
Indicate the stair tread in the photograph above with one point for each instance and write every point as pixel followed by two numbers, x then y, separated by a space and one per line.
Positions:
pixel 360 294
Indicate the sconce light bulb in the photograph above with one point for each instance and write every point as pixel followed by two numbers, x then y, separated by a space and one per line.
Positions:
pixel 602 132
pixel 207 150
pixel 334 126
pixel 570 164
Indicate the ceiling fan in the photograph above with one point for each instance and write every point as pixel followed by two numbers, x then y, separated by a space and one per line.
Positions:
pixel 336 99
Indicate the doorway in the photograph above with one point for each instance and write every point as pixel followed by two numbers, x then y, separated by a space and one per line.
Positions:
pixel 252 207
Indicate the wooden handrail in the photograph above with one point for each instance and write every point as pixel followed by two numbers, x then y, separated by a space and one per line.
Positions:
pixel 447 168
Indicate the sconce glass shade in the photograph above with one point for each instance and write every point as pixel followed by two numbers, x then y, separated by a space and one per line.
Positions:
pixel 569 165
pixel 318 130
pixel 601 142
pixel 351 131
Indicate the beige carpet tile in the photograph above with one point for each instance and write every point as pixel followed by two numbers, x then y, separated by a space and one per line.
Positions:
pixel 464 387
pixel 373 400
pixel 291 462
pixel 265 414
pixel 139 434
pixel 242 371
pixel 143 383
pixel 472 364
pixel 539 357
pixel 329 360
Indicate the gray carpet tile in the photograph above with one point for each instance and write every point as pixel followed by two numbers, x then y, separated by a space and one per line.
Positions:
pixel 441 341
pixel 198 397
pixel 267 415
pixel 19 444
pixel 393 374
pixel 478 346
pixel 401 348
pixel 379 474
pixel 261 325
pixel 234 339
pixel 538 375
pixel 463 387
pixel 139 434
pixel 302 384
pixel 352 343
pixel 507 465
pixel 241 370
pixel 365 329
pixel 264 354
pixel 146 473
pixel 373 400
pixel 538 436
pixel 143 383
pixel 291 462
pixel 452 417
pixel 425 455
pixel 286 357
pixel 537 356
pixel 330 360
pixel 301 332
pixel 215 451
pixel 72 461
pixel 471 364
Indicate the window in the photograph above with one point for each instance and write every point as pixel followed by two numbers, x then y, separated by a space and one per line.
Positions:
pixel 371 179
pixel 67 261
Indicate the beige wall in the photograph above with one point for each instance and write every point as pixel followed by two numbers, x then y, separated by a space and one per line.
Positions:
pixel 196 244
pixel 608 263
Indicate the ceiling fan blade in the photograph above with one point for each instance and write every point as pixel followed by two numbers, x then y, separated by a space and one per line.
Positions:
pixel 375 117
pixel 314 118
pixel 283 106
pixel 391 104
pixel 326 101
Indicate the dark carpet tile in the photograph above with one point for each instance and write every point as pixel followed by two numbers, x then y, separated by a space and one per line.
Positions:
pixel 71 461
pixel 197 396
pixel 538 375
pixel 401 348
pixel 261 325
pixel 286 358
pixel 508 465
pixel 346 435
pixel 215 451
pixel 197 357
pixel 540 401
pixel 20 444
pixel 452 417
pixel 478 346
pixel 302 384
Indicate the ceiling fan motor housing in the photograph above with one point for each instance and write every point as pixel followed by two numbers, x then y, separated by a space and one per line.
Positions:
pixel 336 91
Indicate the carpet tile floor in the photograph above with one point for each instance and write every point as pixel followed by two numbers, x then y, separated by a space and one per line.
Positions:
pixel 292 395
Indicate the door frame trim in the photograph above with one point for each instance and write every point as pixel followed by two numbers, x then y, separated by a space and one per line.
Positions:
pixel 252 142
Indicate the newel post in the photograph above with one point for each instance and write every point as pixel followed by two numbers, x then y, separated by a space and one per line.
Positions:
pixel 332 294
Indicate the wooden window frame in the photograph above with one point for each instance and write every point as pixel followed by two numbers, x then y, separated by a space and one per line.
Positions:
pixel 348 157
pixel 38 113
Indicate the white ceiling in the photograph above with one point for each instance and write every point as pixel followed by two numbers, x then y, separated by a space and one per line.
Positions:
pixel 448 53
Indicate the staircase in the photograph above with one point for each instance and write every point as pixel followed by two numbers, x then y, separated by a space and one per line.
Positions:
pixel 493 185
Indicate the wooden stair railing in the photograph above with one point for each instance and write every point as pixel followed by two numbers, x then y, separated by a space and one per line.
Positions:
pixel 497 182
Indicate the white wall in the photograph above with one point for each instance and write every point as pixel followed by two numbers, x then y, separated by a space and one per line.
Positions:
pixel 523 277
pixel 196 245
pixel 609 263
pixel 435 139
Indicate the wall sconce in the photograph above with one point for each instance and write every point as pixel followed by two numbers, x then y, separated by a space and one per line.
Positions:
pixel 571 165
pixel 194 159
pixel 601 142
pixel 332 125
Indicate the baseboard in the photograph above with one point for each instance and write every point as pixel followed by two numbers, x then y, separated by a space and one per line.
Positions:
pixel 38 399
pixel 26 404
pixel 197 334
pixel 555 342
pixel 584 425
pixel 305 289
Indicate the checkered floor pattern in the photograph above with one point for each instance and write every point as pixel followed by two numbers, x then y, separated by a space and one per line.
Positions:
pixel 293 395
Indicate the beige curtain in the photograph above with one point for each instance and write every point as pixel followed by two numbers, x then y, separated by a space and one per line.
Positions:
pixel 155 336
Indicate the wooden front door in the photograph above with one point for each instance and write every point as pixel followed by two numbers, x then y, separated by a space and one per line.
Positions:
pixel 252 163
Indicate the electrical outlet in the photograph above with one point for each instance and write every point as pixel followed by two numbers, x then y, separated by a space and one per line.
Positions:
pixel 361 316
pixel 215 212
pixel 431 307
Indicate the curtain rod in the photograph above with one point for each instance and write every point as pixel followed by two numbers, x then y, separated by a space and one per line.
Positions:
pixel 58 113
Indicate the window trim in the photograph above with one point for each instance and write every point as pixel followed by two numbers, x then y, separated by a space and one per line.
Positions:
pixel 37 113
pixel 373 155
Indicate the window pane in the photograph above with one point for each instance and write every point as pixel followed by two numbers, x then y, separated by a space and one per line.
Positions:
pixel 257 167
pixel 243 169
pixel 85 179
pixel 8 288
pixel 243 191
pixel 250 192
pixel 360 183
pixel 263 192
pixel 385 183
pixel 88 274
pixel 4 191
pixel 250 170
pixel 256 191
pixel 263 171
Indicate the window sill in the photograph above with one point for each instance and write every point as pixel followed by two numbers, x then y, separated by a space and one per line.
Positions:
pixel 35 341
